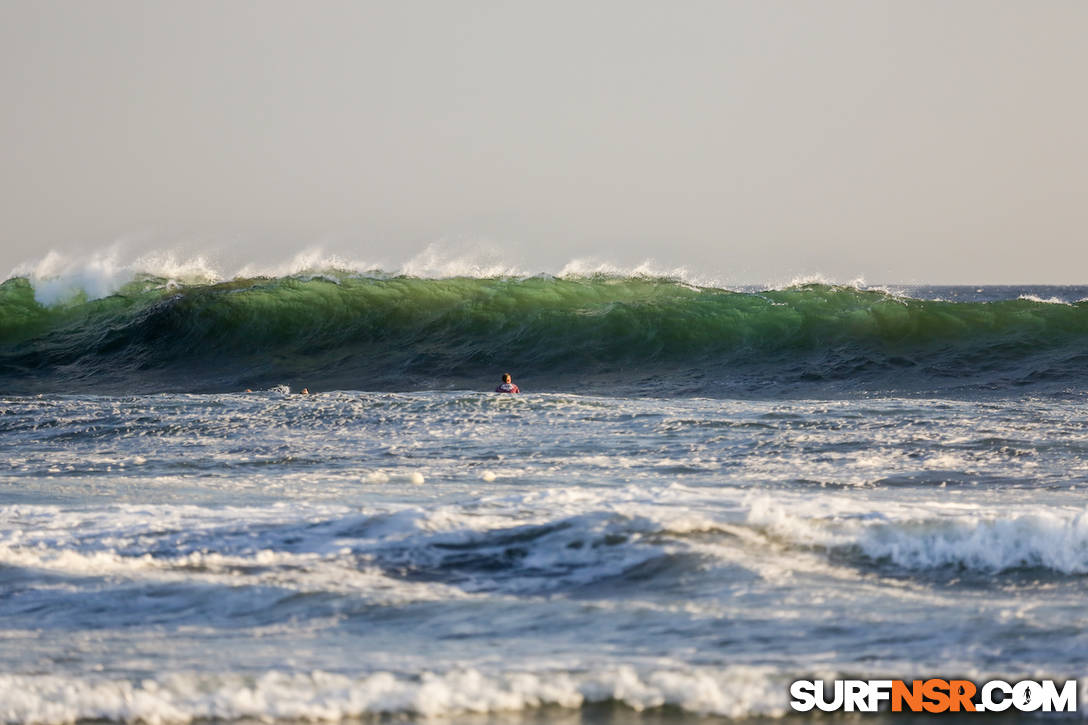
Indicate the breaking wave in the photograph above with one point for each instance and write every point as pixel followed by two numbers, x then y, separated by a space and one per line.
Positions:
pixel 181 329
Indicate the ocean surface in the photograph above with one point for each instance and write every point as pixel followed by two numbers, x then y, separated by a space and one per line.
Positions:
pixel 702 495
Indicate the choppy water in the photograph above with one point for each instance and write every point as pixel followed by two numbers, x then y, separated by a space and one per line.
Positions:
pixel 234 556
pixel 703 495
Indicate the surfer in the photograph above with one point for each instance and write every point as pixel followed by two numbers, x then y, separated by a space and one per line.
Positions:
pixel 507 386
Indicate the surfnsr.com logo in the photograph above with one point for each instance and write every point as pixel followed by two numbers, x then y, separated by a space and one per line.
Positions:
pixel 933 696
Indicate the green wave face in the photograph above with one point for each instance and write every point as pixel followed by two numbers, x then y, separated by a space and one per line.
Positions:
pixel 637 334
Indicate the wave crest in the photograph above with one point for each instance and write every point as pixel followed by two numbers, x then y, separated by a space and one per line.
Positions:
pixel 977 542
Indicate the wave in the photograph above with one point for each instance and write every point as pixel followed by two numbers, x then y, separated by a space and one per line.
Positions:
pixel 631 334
pixel 605 545
pixel 931 540
pixel 737 691
pixel 385 558
pixel 96 559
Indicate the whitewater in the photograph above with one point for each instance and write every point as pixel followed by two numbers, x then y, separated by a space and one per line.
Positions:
pixel 703 494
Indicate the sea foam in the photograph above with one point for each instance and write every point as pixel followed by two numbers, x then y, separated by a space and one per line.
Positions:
pixel 59 278
pixel 927 538
pixel 323 696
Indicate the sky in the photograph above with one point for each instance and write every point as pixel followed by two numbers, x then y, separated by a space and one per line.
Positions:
pixel 895 141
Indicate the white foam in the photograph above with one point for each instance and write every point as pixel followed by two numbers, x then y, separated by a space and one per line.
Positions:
pixel 310 262
pixel 1044 300
pixel 111 542
pixel 1048 540
pixel 915 534
pixel 589 267
pixel 337 549
pixel 321 696
pixel 731 691
pixel 439 261
pixel 801 280
pixel 58 278
pixel 920 537
pixel 857 283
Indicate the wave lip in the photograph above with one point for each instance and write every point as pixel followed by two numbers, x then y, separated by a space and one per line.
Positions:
pixel 58 280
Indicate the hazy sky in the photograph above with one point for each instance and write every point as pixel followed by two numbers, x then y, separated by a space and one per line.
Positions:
pixel 917 140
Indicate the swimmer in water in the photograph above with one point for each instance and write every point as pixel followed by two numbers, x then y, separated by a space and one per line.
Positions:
pixel 507 386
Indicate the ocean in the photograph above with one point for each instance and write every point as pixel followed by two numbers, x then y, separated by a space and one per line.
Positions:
pixel 701 496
